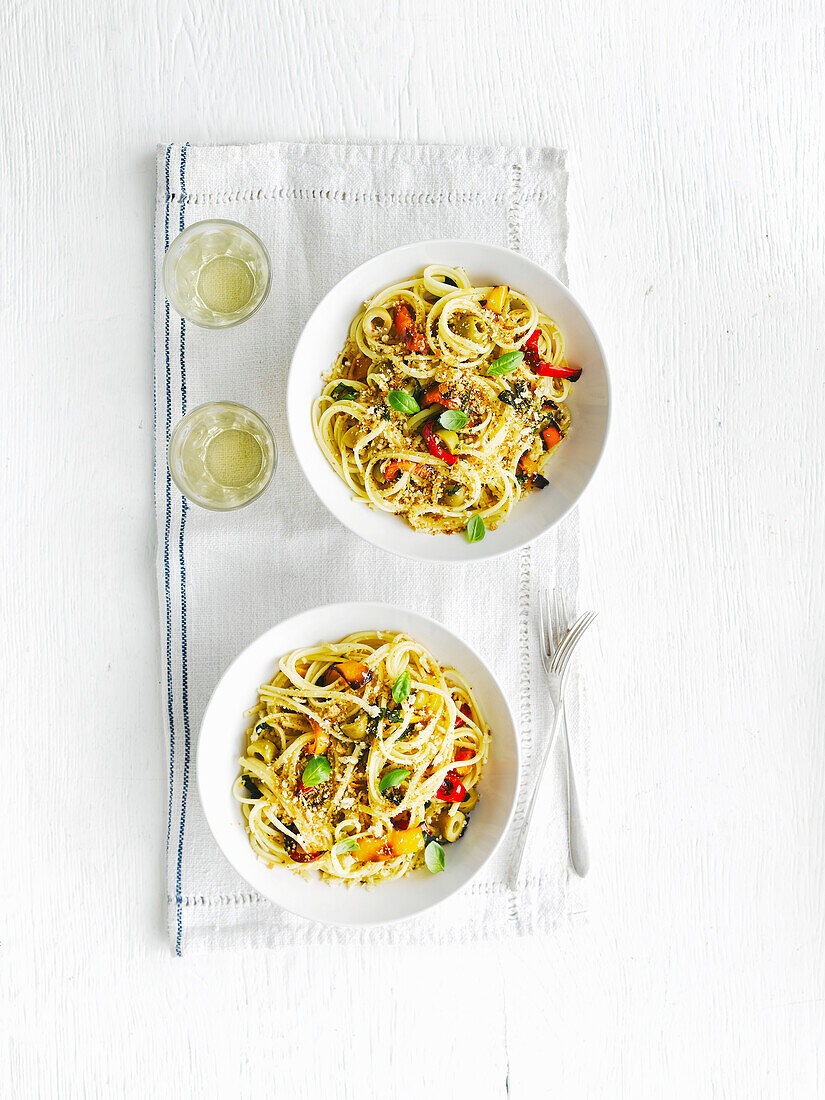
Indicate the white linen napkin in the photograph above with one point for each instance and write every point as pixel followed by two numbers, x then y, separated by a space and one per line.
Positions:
pixel 224 578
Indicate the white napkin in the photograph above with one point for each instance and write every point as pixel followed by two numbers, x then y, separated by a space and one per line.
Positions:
pixel 224 578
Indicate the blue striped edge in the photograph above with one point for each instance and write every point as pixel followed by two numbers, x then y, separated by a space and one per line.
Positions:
pixel 187 741
pixel 168 523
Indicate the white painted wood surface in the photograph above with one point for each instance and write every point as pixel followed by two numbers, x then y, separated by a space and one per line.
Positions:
pixel 697 242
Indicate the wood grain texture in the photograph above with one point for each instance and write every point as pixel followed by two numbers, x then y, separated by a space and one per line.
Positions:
pixel 697 245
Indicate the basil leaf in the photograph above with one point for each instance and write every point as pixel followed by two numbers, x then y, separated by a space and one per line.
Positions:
pixel 344 393
pixel 393 778
pixel 316 770
pixel 393 716
pixel 505 363
pixel 401 687
pixel 434 857
pixel 348 844
pixel 403 402
pixel 476 529
pixel 453 419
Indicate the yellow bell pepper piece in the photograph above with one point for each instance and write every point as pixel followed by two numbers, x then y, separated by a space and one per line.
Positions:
pixel 495 302
pixel 397 842
pixel 405 841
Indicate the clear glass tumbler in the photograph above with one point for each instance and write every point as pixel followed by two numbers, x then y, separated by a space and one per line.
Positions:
pixel 222 455
pixel 217 273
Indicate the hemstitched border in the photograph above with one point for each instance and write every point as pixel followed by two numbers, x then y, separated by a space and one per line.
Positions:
pixel 313 194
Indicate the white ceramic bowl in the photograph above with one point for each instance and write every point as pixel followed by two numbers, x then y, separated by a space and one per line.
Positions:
pixel 571 470
pixel 221 742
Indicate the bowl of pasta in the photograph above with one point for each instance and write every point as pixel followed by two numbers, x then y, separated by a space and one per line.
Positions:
pixel 449 400
pixel 358 764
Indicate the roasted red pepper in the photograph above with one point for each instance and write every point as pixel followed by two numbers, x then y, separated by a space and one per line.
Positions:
pixel 531 349
pixel 551 436
pixel 437 449
pixel 410 337
pixel 401 821
pixel 300 856
pixel 394 469
pixel 297 854
pixel 465 710
pixel 549 370
pixel 464 754
pixel 541 366
pixel 403 321
pixel 436 396
pixel 452 789
pixel 356 673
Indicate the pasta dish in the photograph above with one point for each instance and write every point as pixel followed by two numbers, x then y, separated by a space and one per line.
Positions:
pixel 445 402
pixel 363 760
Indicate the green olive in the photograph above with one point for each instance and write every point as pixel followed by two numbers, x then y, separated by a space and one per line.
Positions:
pixel 356 728
pixel 448 438
pixel 456 494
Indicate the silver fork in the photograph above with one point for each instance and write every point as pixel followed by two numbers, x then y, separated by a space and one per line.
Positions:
pixel 557 647
pixel 576 835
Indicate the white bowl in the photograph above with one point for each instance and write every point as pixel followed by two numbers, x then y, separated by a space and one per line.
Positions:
pixel 221 744
pixel 570 470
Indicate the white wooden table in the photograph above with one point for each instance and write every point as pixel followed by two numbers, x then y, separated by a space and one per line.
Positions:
pixel 697 240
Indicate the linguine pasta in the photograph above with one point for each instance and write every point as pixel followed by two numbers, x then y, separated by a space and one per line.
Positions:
pixel 445 401
pixel 362 752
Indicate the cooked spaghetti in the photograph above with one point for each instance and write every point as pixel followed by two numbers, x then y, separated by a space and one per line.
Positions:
pixel 363 759
pixel 446 401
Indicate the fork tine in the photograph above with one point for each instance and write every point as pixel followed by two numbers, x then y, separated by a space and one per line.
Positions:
pixel 561 614
pixel 569 636
pixel 543 626
pixel 565 650
pixel 564 668
pixel 551 624
pixel 584 623
pixel 560 623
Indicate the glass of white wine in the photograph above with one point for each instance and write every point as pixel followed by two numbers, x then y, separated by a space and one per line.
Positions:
pixel 222 455
pixel 217 273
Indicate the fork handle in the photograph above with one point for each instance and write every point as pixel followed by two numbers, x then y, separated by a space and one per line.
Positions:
pixel 521 842
pixel 579 850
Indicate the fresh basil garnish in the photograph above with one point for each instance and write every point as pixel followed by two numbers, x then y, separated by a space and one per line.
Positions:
pixel 393 778
pixel 434 857
pixel 475 529
pixel 393 716
pixel 344 393
pixel 505 363
pixel 401 687
pixel 316 770
pixel 348 844
pixel 403 402
pixel 453 419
